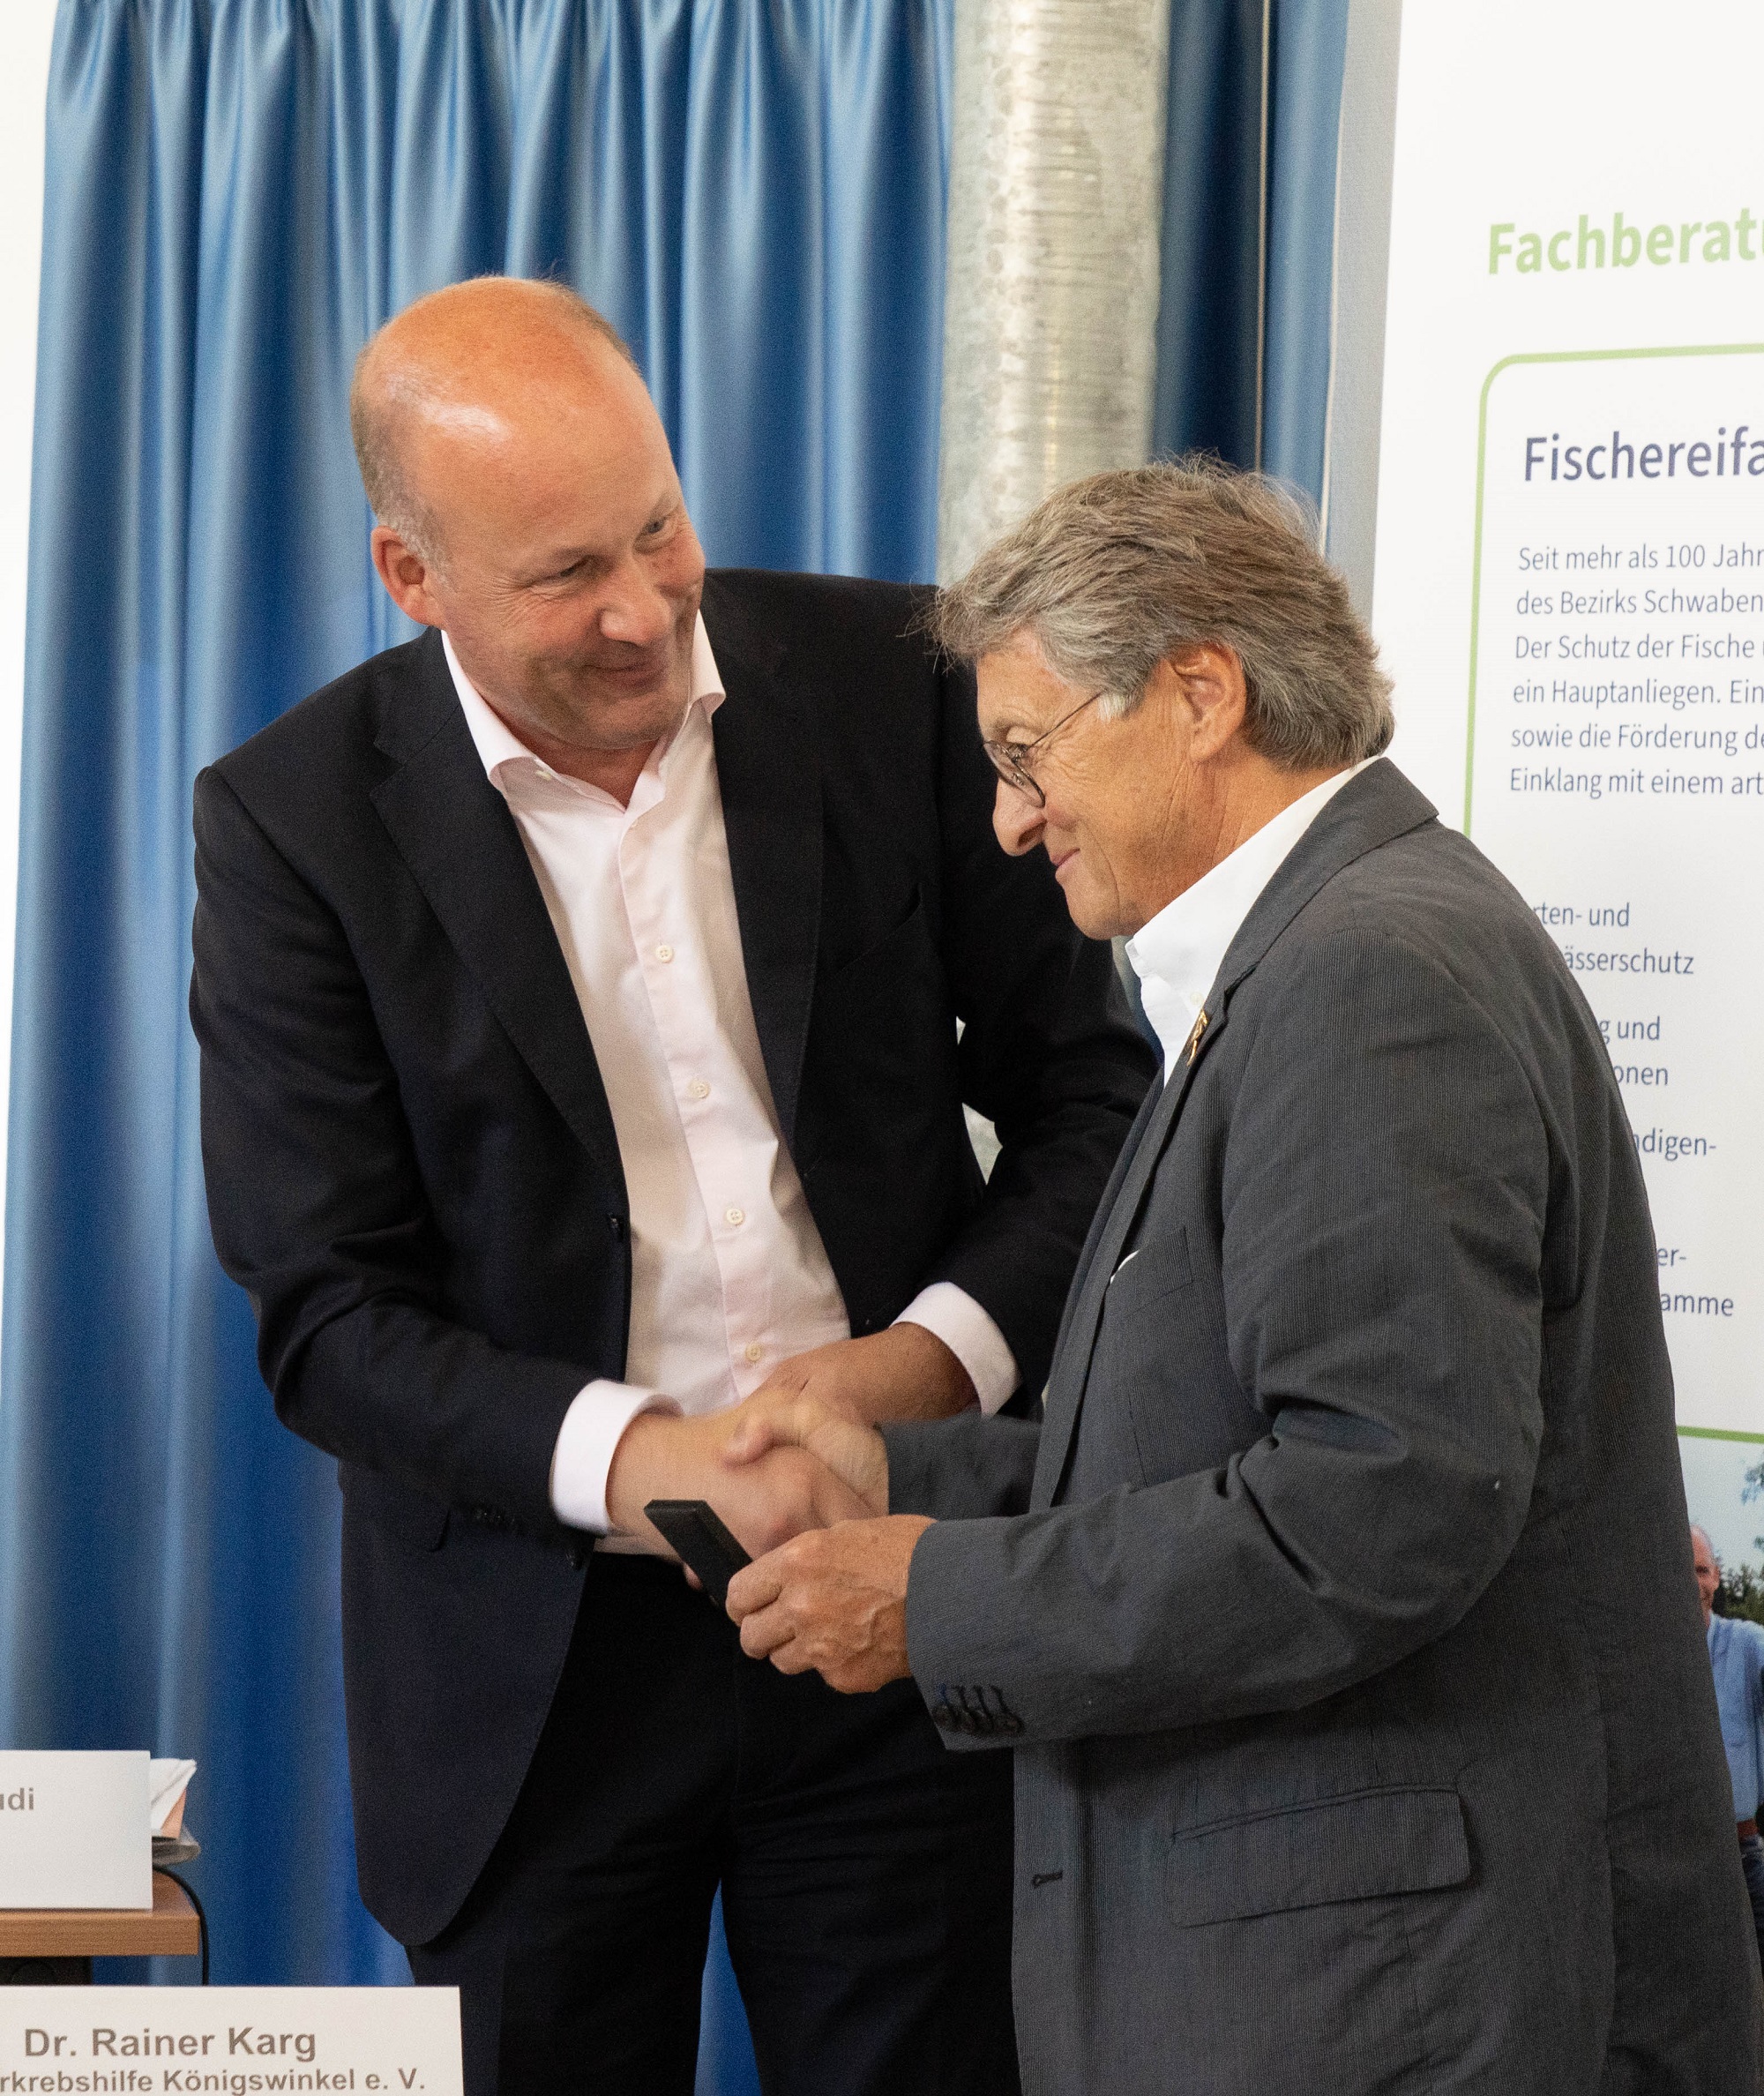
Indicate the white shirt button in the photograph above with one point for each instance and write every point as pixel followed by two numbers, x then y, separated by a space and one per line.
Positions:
pixel 734 1216
pixel 698 1089
pixel 664 953
pixel 755 1351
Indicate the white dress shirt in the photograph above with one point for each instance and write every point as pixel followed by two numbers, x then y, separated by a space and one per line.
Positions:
pixel 1177 954
pixel 728 1276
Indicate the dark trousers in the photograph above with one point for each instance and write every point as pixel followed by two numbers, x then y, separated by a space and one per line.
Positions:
pixel 865 1875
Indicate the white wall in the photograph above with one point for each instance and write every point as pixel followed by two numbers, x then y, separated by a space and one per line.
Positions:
pixel 26 27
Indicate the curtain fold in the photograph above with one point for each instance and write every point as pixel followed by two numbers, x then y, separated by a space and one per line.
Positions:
pixel 1308 49
pixel 238 191
pixel 1243 329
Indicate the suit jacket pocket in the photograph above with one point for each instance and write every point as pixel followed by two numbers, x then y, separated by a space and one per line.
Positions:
pixel 1364 1846
pixel 1157 1266
pixel 907 944
pixel 409 1517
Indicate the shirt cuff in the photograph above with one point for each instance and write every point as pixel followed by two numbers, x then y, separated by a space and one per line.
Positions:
pixel 587 1441
pixel 949 1313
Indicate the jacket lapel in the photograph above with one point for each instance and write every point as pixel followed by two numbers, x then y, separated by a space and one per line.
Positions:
pixel 1370 811
pixel 768 769
pixel 1072 1358
pixel 455 832
pixel 1099 1226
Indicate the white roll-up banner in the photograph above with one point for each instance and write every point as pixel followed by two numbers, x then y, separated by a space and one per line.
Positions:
pixel 1569 582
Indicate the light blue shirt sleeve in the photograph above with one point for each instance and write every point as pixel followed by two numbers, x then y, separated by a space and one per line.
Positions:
pixel 1737 1657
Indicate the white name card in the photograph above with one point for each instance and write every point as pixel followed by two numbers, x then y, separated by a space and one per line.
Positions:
pixel 235 2041
pixel 75 1830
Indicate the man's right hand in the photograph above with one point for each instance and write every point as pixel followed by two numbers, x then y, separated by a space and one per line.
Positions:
pixel 774 1422
pixel 766 1498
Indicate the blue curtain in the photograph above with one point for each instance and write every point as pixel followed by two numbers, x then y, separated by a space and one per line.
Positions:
pixel 238 191
pixel 1255 92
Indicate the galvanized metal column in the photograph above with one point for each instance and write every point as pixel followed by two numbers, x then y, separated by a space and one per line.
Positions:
pixel 1056 205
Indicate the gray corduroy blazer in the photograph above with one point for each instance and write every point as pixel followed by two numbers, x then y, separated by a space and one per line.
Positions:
pixel 1339 1612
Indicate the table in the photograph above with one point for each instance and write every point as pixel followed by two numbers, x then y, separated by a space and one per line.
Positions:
pixel 55 1946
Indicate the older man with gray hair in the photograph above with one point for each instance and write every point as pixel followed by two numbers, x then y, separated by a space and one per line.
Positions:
pixel 1359 1743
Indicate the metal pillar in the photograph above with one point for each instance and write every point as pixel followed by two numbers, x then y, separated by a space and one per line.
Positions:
pixel 1056 205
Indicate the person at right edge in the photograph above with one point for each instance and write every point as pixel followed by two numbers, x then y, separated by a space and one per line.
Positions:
pixel 1736 1651
pixel 1337 1610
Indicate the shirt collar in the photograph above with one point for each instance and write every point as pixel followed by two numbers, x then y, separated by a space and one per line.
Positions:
pixel 496 741
pixel 1177 954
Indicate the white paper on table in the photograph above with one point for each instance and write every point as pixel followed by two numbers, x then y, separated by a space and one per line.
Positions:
pixel 167 1781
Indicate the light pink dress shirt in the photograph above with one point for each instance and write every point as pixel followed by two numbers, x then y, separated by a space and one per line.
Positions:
pixel 728 1276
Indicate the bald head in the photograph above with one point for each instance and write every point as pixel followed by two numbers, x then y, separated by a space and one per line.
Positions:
pixel 528 506
pixel 469 358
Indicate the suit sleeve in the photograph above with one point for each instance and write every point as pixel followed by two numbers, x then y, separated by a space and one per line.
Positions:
pixel 1049 1054
pixel 961 1467
pixel 317 1203
pixel 1385 1178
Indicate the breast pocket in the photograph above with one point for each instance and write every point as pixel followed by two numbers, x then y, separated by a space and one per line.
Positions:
pixel 1156 1266
pixel 1138 1342
pixel 905 950
pixel 1161 1365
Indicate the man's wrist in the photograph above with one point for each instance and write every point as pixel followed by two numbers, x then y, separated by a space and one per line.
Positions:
pixel 638 1471
pixel 949 1313
pixel 581 1461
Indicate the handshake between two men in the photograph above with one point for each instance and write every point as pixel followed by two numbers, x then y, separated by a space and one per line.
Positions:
pixel 801 1477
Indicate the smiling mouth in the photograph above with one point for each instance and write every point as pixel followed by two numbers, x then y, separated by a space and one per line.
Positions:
pixel 640 670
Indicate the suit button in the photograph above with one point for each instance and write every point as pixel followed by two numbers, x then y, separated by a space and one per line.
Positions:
pixel 967 1718
pixel 615 1228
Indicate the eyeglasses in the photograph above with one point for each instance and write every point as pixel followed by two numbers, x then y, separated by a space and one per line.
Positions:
pixel 1009 760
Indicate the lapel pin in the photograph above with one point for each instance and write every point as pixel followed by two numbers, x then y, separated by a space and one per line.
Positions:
pixel 1194 1038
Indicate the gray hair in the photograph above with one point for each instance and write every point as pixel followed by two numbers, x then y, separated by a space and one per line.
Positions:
pixel 1113 574
pixel 380 400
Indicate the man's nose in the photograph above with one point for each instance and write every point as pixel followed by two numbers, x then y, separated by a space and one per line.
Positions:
pixel 1017 822
pixel 634 610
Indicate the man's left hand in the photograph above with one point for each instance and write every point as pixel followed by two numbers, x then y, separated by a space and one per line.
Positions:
pixel 904 1372
pixel 834 1599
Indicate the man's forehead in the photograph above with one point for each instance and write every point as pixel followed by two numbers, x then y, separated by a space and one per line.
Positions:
pixel 1016 682
pixel 529 395
pixel 568 489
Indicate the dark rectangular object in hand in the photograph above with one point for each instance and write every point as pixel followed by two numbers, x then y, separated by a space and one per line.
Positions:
pixel 691 1528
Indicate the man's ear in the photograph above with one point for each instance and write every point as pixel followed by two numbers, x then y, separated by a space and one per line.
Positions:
pixel 1212 693
pixel 406 576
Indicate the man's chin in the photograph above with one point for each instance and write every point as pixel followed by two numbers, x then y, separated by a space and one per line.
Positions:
pixel 1094 915
pixel 625 714
pixel 1095 924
